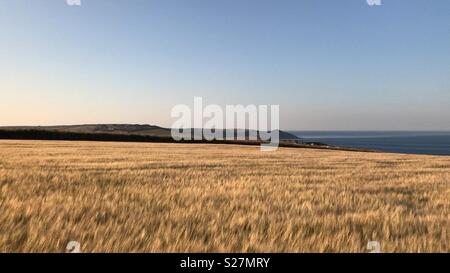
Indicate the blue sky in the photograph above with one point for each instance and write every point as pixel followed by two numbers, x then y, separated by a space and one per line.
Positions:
pixel 330 65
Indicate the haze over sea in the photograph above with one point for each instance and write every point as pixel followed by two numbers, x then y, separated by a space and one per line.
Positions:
pixel 408 142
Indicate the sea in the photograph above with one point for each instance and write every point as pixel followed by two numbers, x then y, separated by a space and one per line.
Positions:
pixel 407 142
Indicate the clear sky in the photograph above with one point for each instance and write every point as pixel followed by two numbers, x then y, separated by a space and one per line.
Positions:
pixel 330 65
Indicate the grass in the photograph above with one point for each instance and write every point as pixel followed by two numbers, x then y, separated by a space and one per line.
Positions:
pixel 143 197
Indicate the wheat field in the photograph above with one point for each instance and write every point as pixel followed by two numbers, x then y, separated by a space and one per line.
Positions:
pixel 144 197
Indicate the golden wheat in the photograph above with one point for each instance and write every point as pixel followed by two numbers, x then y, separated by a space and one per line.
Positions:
pixel 143 197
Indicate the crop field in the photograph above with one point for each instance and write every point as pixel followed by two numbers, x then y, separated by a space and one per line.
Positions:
pixel 147 197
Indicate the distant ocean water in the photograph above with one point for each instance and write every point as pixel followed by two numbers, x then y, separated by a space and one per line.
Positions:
pixel 432 143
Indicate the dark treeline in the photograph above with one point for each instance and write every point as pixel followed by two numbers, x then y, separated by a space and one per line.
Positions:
pixel 33 134
pixel 57 135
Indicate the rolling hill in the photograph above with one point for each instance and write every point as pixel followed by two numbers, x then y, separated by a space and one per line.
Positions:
pixel 119 129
